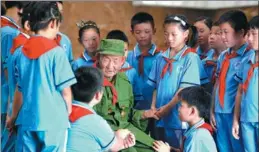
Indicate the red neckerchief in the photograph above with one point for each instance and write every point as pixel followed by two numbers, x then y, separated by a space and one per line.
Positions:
pixel 141 60
pixel 78 112
pixel 38 45
pixel 7 22
pixel 18 41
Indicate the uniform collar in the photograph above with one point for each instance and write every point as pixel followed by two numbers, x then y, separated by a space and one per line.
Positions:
pixel 208 54
pixel 86 56
pixel 251 57
pixel 137 51
pixel 83 105
pixel 166 54
pixel 126 65
pixel 193 128
pixel 11 20
pixel 240 51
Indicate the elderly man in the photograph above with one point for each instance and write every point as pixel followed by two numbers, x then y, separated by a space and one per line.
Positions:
pixel 116 106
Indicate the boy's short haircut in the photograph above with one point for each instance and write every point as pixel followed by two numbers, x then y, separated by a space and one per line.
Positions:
pixel 215 23
pixel 207 21
pixel 237 20
pixel 254 23
pixel 142 17
pixel 118 35
pixel 198 97
pixel 11 4
pixel 89 82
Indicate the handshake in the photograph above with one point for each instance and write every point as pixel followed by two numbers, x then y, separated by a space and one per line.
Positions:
pixel 156 113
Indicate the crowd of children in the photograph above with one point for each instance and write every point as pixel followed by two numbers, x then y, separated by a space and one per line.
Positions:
pixel 201 94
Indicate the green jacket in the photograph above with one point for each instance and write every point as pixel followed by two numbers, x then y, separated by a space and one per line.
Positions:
pixel 122 115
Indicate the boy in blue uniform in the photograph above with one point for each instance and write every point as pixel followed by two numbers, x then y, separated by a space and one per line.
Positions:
pixel 143 55
pixel 246 108
pixel 130 72
pixel 89 37
pixel 233 25
pixel 64 41
pixel 9 30
pixel 195 102
pixel 44 80
pixel 174 70
pixel 89 130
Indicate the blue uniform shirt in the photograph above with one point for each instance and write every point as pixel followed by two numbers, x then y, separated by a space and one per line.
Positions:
pixel 67 46
pixel 133 60
pixel 249 103
pixel 198 139
pixel 231 83
pixel 133 78
pixel 209 69
pixel 41 82
pixel 89 133
pixel 84 60
pixel 185 73
pixel 7 35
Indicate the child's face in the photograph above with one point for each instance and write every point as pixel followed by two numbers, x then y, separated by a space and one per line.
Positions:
pixel 126 47
pixel 143 33
pixel 174 35
pixel 111 64
pixel 253 38
pixel 203 32
pixel 228 35
pixel 184 111
pixel 215 40
pixel 90 40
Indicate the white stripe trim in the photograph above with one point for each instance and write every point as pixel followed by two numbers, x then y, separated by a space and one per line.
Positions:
pixel 11 21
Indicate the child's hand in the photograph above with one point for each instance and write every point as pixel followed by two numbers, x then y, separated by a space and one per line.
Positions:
pixel 150 114
pixel 235 130
pixel 213 121
pixel 160 146
pixel 163 111
pixel 10 123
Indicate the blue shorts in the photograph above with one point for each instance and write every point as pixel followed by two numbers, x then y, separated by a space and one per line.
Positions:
pixel 225 140
pixel 250 136
pixel 44 141
pixel 8 141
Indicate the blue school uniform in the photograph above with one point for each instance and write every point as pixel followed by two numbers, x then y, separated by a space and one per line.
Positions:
pixel 96 136
pixel 224 115
pixel 210 65
pixel 65 43
pixel 83 60
pixel 184 73
pixel 43 115
pixel 133 59
pixel 198 139
pixel 132 75
pixel 8 33
pixel 249 105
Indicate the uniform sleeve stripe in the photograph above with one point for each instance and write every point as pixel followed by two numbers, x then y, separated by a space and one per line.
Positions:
pixel 151 80
pixel 189 83
pixel 238 77
pixel 204 78
pixel 65 82
pixel 109 142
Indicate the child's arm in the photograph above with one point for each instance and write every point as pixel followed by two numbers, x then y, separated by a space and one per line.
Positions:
pixel 17 104
pixel 163 111
pixel 153 105
pixel 212 115
pixel 235 127
pixel 67 95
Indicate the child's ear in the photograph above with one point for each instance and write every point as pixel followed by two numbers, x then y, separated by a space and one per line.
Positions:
pixel 27 26
pixel 132 31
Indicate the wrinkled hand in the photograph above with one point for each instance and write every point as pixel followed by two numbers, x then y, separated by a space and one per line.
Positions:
pixel 163 111
pixel 235 130
pixel 122 133
pixel 129 141
pixel 10 123
pixel 151 113
pixel 160 146
pixel 213 121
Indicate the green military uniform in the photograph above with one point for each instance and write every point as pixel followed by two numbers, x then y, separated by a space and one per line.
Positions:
pixel 122 115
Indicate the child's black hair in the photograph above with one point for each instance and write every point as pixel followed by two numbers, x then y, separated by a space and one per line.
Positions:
pixel 197 96
pixel 118 35
pixel 26 12
pixel 254 23
pixel 215 23
pixel 11 4
pixel 3 10
pixel 184 25
pixel 207 21
pixel 85 25
pixel 89 82
pixel 237 20
pixel 61 2
pixel 142 17
pixel 42 13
